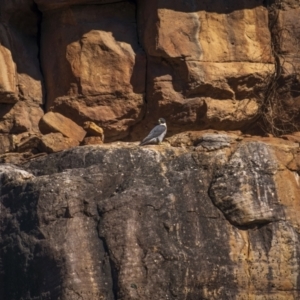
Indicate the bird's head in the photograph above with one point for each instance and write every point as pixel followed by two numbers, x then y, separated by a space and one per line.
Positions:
pixel 161 121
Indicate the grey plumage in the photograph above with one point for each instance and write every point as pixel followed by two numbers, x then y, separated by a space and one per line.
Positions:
pixel 157 134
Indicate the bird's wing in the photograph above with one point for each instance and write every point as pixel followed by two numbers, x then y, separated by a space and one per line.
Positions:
pixel 155 132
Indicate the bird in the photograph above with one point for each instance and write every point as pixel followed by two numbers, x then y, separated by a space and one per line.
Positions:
pixel 157 134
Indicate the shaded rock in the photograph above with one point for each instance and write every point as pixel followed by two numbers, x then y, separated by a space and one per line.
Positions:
pixel 19 118
pixel 244 189
pixel 29 144
pixel 93 130
pixel 5 143
pixel 45 5
pixel 55 142
pixel 92 140
pixel 21 81
pixel 21 70
pixel 8 85
pixel 19 158
pixel 286 18
pixel 55 122
pixel 285 118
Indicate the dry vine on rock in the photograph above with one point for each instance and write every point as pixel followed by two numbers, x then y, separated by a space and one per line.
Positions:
pixel 278 111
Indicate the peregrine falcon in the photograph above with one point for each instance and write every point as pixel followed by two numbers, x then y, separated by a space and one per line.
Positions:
pixel 157 134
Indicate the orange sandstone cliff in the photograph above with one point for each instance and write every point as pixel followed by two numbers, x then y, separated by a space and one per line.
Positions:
pixel 213 213
pixel 223 65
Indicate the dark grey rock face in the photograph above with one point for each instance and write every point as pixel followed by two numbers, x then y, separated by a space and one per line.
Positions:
pixel 244 189
pixel 139 223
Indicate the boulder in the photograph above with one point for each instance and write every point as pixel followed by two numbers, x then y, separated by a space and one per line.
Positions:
pixel 93 130
pixel 92 140
pixel 55 142
pixel 20 118
pixel 55 122
pixel 238 188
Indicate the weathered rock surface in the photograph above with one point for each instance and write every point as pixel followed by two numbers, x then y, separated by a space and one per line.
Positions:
pixel 252 169
pixel 19 118
pixel 288 21
pixel 158 222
